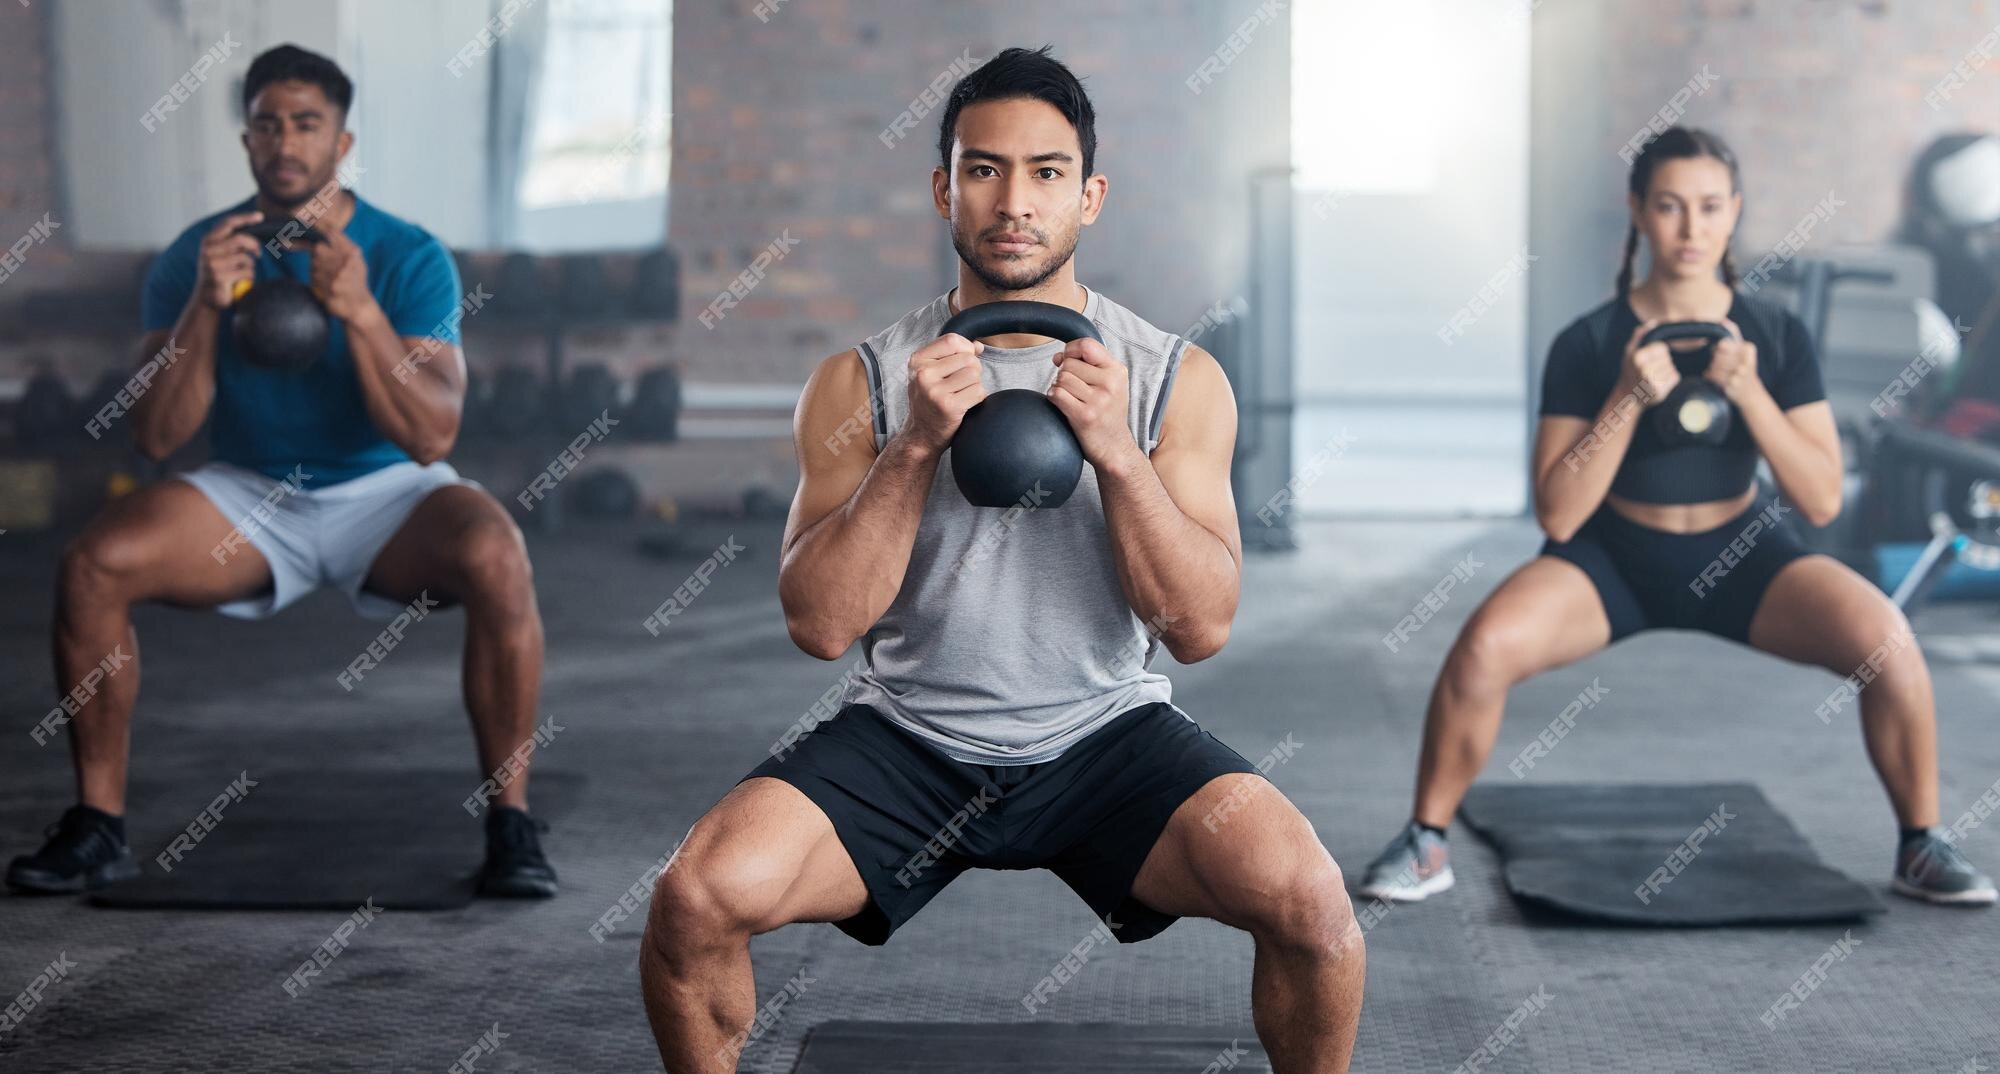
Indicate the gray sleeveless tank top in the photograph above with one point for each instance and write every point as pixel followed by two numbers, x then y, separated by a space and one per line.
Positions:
pixel 1011 639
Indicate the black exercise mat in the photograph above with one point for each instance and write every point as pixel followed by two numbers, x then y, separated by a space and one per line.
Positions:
pixel 330 839
pixel 1582 849
pixel 1024 1048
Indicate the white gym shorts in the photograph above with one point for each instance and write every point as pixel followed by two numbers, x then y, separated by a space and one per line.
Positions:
pixel 313 537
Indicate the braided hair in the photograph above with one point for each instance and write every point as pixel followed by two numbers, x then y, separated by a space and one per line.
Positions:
pixel 1675 143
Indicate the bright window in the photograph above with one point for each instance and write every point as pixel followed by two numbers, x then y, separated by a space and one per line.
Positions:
pixel 598 125
pixel 1368 96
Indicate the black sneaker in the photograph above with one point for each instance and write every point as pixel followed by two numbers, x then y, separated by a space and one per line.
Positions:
pixel 84 852
pixel 515 867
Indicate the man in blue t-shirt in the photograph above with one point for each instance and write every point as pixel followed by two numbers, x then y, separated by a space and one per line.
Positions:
pixel 328 476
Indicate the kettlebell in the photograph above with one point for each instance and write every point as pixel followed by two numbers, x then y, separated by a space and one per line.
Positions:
pixel 1695 411
pixel 279 323
pixel 1015 446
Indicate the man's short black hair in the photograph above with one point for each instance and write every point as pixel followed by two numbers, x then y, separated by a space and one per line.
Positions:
pixel 1020 72
pixel 290 63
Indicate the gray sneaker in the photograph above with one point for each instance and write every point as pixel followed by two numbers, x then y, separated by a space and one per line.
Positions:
pixel 1416 865
pixel 1932 869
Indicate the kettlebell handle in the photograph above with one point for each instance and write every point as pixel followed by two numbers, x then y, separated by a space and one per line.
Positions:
pixel 268 231
pixel 1673 330
pixel 1708 331
pixel 1006 318
pixel 1016 440
pixel 264 231
pixel 1692 398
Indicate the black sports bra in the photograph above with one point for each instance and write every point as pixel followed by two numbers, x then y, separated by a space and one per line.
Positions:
pixel 1583 367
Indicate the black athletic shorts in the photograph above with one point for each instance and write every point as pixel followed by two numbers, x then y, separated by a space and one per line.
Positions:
pixel 1710 581
pixel 912 819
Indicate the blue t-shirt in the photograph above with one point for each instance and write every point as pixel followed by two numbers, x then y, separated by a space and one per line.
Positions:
pixel 273 421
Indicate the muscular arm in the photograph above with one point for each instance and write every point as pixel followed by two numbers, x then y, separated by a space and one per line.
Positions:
pixel 183 387
pixel 413 387
pixel 420 412
pixel 419 415
pixel 1800 441
pixel 1803 447
pixel 169 412
pixel 1576 460
pixel 1172 516
pixel 854 521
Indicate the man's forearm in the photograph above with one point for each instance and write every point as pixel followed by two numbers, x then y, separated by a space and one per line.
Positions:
pixel 177 403
pixel 839 576
pixel 418 414
pixel 1176 573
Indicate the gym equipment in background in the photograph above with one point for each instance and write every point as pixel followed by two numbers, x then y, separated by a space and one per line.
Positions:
pixel 655 412
pixel 1919 471
pixel 42 416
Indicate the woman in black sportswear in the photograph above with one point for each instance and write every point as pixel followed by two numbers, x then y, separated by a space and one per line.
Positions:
pixel 1645 534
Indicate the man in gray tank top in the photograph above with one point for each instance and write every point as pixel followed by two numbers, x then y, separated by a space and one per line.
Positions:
pixel 1005 713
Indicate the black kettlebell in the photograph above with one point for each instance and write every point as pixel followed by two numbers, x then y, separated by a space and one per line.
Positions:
pixel 1014 446
pixel 1695 411
pixel 279 323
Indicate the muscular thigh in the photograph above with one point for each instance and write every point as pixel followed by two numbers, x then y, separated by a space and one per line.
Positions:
pixel 441 545
pixel 1818 611
pixel 1545 615
pixel 159 543
pixel 1232 852
pixel 768 853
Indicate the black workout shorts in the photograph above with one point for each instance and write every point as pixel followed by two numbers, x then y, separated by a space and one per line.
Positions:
pixel 912 819
pixel 1710 581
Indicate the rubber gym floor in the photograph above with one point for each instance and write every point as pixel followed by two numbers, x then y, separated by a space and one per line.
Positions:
pixel 663 726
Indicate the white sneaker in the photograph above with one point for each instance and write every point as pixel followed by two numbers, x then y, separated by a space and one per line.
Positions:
pixel 1416 865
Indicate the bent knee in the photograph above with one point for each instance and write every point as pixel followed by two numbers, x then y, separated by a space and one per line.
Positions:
pixel 710 898
pixel 492 560
pixel 1308 911
pixel 1880 645
pixel 1489 655
pixel 686 903
pixel 1294 894
pixel 97 564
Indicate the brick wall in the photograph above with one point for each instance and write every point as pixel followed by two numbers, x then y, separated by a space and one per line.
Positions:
pixel 29 190
pixel 777 130
pixel 778 124
pixel 27 145
pixel 1815 96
